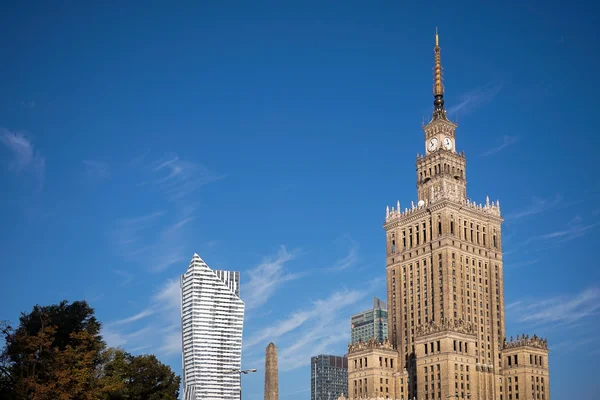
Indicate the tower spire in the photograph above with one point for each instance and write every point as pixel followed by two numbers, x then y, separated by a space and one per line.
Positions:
pixel 438 85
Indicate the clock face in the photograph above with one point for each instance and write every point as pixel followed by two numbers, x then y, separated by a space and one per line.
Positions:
pixel 447 143
pixel 432 144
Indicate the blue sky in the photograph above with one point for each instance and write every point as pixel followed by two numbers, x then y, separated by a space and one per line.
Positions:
pixel 268 138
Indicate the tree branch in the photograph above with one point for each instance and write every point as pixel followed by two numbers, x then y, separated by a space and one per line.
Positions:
pixel 7 373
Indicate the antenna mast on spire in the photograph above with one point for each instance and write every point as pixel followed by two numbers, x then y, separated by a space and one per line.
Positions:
pixel 438 85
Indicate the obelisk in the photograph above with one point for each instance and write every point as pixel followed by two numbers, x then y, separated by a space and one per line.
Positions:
pixel 271 373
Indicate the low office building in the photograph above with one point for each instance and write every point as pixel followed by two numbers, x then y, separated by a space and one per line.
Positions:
pixel 328 377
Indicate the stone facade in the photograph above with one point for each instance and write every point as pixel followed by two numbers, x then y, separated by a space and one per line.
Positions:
pixel 445 357
pixel 371 369
pixel 525 366
pixel 445 286
pixel 271 373
pixel 342 397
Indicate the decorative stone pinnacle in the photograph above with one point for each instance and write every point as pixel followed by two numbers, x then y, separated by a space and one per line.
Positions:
pixel 526 340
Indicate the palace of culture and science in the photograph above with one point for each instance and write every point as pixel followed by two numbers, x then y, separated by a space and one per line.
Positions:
pixel 445 292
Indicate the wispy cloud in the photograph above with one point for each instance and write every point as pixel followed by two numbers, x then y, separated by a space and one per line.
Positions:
pixel 576 228
pixel 570 345
pixel 168 304
pixel 28 104
pixel 476 98
pixel 561 309
pixel 297 391
pixel 96 169
pixel 113 338
pixel 280 328
pixel 158 239
pixel 538 205
pixel 266 278
pixel 25 157
pixel 506 141
pixel 521 264
pixel 126 277
pixel 512 305
pixel 179 178
pixel 211 243
pixel 311 330
pixel 133 318
pixel 157 327
pixel 349 260
pixel 149 239
pixel 168 298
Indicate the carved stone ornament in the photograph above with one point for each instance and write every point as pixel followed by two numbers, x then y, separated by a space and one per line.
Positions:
pixel 456 325
pixel 526 340
pixel 370 344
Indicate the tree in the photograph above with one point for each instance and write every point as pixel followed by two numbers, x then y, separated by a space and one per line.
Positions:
pixel 141 377
pixel 57 353
pixel 149 379
pixel 6 371
pixel 112 374
pixel 54 352
pixel 68 318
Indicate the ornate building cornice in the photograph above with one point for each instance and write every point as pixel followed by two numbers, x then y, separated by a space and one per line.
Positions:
pixel 446 324
pixel 446 198
pixel 370 345
pixel 342 397
pixel 526 341
pixel 437 154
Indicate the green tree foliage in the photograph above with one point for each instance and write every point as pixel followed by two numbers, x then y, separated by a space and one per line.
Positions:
pixel 6 371
pixel 57 353
pixel 138 378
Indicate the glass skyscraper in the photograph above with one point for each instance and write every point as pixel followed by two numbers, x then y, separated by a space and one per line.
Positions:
pixel 370 324
pixel 212 318
pixel 328 377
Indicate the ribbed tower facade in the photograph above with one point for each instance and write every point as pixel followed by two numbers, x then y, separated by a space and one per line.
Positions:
pixel 212 318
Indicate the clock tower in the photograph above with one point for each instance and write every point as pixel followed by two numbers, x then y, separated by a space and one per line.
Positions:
pixel 445 291
pixel 441 171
